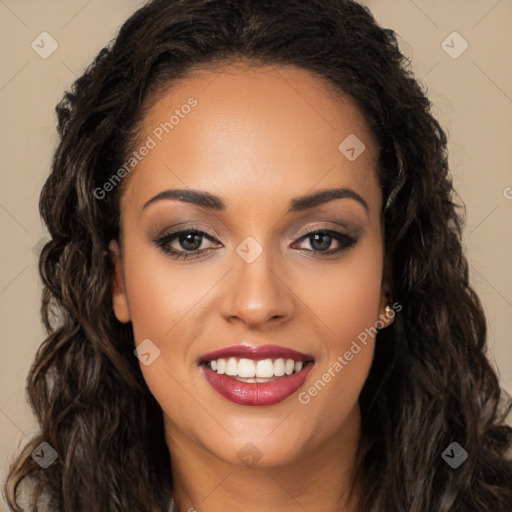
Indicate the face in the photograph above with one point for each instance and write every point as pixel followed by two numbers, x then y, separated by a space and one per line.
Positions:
pixel 265 268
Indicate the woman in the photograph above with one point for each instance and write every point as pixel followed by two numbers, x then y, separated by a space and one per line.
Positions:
pixel 256 263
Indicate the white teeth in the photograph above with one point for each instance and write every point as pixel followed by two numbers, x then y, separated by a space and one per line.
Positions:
pixel 246 368
pixel 262 369
pixel 279 367
pixel 221 366
pixel 232 366
pixel 265 369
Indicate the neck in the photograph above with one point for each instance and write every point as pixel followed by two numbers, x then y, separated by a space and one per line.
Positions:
pixel 318 479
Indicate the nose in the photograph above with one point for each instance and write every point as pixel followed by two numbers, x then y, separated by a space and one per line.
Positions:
pixel 256 294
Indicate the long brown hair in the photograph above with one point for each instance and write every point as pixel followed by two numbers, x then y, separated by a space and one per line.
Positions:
pixel 430 383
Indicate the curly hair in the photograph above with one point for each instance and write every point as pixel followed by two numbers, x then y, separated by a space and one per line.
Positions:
pixel 430 382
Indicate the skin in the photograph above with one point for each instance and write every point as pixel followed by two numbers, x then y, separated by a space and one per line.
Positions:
pixel 257 138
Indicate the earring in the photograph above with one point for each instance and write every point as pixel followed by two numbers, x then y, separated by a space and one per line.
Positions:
pixel 388 309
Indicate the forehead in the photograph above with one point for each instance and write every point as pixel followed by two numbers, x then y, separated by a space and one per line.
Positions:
pixel 273 131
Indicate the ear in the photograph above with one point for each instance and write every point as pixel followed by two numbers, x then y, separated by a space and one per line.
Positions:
pixel 119 299
pixel 386 312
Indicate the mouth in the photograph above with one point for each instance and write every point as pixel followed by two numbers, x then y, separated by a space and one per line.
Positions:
pixel 259 376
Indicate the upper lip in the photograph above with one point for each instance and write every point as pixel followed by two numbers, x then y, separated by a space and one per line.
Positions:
pixel 256 353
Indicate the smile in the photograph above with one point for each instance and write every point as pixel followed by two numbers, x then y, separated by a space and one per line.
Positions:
pixel 259 376
pixel 245 369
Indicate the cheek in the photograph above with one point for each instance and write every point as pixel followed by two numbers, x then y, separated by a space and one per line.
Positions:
pixel 345 308
pixel 165 301
pixel 345 297
pixel 161 294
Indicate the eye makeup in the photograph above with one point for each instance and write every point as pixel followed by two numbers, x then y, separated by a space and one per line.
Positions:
pixel 186 242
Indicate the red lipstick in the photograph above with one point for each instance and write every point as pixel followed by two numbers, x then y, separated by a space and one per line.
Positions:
pixel 272 390
pixel 256 353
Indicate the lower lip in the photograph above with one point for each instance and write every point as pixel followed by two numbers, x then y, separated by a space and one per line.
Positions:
pixel 256 393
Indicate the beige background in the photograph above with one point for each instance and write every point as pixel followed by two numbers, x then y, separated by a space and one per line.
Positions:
pixel 473 101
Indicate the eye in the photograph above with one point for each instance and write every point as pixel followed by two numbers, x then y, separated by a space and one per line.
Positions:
pixel 320 241
pixel 189 239
pixel 188 242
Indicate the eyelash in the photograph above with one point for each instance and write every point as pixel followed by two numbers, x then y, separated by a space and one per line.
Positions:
pixel 162 242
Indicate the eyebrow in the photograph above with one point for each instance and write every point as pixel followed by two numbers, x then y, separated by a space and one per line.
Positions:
pixel 197 197
pixel 207 200
pixel 323 196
